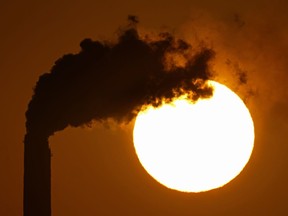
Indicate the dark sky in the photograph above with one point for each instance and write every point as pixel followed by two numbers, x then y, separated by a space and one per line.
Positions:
pixel 95 171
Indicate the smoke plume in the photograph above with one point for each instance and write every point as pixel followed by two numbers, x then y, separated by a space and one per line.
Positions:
pixel 105 80
pixel 108 80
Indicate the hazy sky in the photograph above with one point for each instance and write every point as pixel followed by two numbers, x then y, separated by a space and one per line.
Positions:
pixel 95 171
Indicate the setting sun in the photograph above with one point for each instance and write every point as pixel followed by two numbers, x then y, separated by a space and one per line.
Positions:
pixel 194 147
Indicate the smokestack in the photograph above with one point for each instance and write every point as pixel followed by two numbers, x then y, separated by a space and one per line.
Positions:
pixel 104 80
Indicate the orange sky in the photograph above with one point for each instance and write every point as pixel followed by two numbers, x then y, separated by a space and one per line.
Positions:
pixel 95 171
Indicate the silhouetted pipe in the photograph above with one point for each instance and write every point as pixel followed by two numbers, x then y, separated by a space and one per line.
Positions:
pixel 37 181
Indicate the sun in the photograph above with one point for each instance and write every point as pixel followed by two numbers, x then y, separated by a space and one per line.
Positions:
pixel 195 147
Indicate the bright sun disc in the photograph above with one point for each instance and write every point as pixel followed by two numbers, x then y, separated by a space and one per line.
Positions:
pixel 195 147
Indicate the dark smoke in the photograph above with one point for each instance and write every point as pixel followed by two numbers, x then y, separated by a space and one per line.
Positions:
pixel 104 80
pixel 114 80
